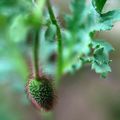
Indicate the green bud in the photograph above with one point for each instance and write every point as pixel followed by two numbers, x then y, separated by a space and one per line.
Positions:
pixel 43 92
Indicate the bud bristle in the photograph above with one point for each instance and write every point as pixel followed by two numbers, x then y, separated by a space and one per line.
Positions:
pixel 42 92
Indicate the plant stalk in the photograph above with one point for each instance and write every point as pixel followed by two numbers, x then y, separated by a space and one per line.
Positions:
pixel 36 53
pixel 59 37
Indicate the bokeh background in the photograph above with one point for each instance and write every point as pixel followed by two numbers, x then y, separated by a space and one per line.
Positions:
pixel 82 96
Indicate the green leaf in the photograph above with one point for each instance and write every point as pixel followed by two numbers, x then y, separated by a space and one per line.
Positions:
pixel 100 61
pixel 106 21
pixel 100 43
pixel 77 15
pixel 50 33
pixel 81 24
pixel 99 4
pixel 76 38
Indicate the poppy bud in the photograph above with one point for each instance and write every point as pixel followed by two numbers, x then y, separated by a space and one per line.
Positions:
pixel 41 92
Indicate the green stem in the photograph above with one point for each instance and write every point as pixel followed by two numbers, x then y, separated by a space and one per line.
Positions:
pixel 36 52
pixel 47 115
pixel 59 36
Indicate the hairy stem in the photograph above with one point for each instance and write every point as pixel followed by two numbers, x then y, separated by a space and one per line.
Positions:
pixel 59 36
pixel 36 52
pixel 47 115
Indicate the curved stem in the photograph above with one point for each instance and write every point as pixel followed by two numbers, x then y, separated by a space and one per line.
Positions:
pixel 36 52
pixel 59 36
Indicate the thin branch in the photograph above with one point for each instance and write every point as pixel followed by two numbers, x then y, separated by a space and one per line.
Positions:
pixel 59 36
pixel 36 52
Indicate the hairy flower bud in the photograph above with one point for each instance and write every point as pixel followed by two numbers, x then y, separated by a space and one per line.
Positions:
pixel 42 93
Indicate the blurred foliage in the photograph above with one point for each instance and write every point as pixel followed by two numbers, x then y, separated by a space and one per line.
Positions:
pixel 19 17
pixel 99 4
pixel 78 36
